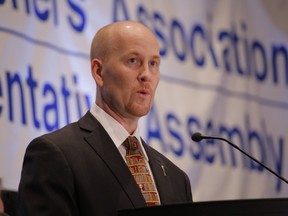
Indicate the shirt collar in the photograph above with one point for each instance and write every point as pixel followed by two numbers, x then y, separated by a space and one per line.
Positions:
pixel 115 130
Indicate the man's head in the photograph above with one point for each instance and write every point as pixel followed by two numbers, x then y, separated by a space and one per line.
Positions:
pixel 125 64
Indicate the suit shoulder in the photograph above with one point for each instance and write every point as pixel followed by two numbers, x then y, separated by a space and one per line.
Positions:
pixel 72 130
pixel 60 133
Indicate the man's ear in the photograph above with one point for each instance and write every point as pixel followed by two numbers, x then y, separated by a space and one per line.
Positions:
pixel 96 70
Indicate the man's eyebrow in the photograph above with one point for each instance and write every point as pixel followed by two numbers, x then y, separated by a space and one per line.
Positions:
pixel 156 57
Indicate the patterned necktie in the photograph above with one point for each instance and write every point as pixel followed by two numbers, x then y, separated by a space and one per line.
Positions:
pixel 138 167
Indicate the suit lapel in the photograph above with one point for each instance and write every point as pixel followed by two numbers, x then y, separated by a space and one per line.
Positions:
pixel 104 147
pixel 160 174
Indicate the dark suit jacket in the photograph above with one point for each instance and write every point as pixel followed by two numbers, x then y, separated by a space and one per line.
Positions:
pixel 78 171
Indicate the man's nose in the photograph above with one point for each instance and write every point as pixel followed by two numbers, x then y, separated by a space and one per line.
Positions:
pixel 145 73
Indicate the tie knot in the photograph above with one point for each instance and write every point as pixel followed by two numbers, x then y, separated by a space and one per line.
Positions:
pixel 131 144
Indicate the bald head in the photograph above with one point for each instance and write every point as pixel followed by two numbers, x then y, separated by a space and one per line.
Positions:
pixel 109 37
pixel 125 62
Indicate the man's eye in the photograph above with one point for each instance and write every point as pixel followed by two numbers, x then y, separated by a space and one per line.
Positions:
pixel 133 60
pixel 154 63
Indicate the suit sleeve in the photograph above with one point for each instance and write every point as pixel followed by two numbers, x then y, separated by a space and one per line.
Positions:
pixel 46 185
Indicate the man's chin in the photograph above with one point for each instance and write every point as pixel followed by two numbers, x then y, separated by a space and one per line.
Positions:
pixel 141 110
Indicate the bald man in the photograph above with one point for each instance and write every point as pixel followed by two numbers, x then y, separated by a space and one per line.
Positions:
pixel 81 169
